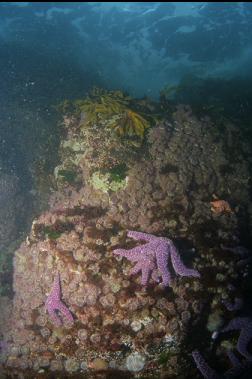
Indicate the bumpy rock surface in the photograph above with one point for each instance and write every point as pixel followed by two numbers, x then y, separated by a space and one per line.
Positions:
pixel 119 325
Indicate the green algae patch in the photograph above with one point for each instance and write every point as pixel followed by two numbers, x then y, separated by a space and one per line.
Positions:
pixel 51 233
pixel 119 172
pixel 68 176
pixel 108 181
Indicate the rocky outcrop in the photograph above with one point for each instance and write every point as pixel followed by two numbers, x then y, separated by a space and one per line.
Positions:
pixel 119 325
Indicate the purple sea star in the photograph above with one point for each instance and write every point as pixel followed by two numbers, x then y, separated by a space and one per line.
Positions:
pixel 203 366
pixel 238 250
pixel 241 251
pixel 239 323
pixel 235 306
pixel 3 346
pixel 153 257
pixel 53 303
pixel 235 371
pixel 244 324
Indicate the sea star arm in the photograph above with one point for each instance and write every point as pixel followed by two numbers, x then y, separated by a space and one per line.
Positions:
pixel 54 317
pixel 140 235
pixel 65 311
pixel 53 303
pixel 146 270
pixel 243 342
pixel 178 265
pixel 237 323
pixel 239 250
pixel 162 255
pixel 155 275
pixel 136 269
pixel 203 367
pixel 245 325
pixel 132 254
pixel 233 358
pixel 238 367
pixel 235 306
pixel 145 275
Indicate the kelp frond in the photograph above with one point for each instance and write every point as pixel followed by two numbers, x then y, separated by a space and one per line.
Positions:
pixel 129 124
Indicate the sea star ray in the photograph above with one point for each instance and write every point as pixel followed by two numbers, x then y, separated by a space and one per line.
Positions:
pixel 53 304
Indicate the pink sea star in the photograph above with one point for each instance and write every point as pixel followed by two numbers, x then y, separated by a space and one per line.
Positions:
pixel 153 257
pixel 53 303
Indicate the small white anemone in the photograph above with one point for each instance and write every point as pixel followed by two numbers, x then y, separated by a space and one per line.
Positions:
pixel 135 362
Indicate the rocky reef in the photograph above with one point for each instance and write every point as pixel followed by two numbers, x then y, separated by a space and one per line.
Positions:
pixel 104 186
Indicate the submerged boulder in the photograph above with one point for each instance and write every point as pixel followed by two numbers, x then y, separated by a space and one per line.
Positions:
pixel 118 323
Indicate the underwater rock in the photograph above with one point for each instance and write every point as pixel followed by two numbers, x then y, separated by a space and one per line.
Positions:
pixel 170 183
pixel 91 290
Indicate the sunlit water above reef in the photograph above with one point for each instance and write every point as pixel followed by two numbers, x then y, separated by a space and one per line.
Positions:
pixel 125 190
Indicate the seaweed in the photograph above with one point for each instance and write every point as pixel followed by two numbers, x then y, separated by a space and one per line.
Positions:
pixel 119 172
pixel 51 233
pixel 130 124
pixel 125 116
